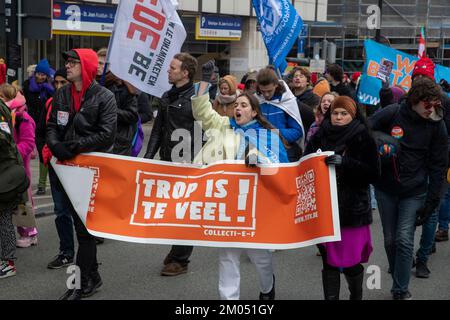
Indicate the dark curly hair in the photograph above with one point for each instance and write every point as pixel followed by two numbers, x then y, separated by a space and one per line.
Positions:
pixel 424 89
pixel 336 72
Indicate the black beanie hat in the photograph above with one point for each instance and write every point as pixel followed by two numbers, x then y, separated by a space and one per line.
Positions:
pixel 61 72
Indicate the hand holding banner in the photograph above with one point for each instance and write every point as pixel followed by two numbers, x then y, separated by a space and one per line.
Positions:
pixel 221 205
pixel 146 36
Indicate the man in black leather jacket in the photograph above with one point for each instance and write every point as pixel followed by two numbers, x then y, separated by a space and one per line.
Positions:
pixel 83 119
pixel 175 113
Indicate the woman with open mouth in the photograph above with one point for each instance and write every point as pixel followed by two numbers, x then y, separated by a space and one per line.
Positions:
pixel 246 136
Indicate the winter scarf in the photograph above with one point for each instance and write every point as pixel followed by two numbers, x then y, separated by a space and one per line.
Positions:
pixel 45 89
pixel 254 134
pixel 336 137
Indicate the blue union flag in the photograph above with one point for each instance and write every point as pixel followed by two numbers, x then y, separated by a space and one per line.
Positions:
pixel 280 28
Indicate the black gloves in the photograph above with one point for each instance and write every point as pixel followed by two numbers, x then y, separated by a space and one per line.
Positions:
pixel 65 150
pixel 423 214
pixel 334 159
pixel 207 70
pixel 72 146
pixel 427 210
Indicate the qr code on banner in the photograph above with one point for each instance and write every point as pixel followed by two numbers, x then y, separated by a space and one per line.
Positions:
pixel 306 199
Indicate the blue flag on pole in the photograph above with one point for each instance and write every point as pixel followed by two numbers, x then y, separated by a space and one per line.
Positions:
pixel 280 27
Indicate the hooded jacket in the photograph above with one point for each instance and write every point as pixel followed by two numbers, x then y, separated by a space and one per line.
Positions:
pixel 24 130
pixel 9 155
pixel 87 118
pixel 422 161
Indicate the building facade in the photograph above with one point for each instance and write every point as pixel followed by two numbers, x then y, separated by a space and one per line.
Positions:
pixel 238 50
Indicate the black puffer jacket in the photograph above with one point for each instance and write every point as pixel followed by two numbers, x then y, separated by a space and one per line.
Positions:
pixel 173 115
pixel 309 98
pixel 360 167
pixel 422 161
pixel 94 126
pixel 127 118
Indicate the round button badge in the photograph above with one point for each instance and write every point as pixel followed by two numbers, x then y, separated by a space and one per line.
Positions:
pixel 397 132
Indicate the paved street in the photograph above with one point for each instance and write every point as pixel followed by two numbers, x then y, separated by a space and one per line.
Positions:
pixel 131 271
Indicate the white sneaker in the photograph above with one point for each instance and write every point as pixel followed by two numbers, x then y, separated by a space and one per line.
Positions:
pixel 7 269
pixel 25 242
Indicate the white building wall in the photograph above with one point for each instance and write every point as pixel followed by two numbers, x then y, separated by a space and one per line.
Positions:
pixel 250 53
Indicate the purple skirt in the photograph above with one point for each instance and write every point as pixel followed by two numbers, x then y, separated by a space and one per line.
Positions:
pixel 355 247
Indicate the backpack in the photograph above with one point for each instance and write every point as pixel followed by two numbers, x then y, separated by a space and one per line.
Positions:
pixel 14 183
pixel 138 140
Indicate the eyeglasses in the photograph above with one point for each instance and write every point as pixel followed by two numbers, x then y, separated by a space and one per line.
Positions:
pixel 71 63
pixel 428 105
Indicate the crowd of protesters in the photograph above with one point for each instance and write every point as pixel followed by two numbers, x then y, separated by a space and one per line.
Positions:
pixel 398 156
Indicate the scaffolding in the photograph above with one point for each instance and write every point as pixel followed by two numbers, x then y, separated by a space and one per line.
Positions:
pixel 401 23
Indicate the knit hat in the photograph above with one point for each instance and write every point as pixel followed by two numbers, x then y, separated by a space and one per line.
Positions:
pixel 397 94
pixel 43 67
pixel 355 76
pixel 314 78
pixel 425 67
pixel 251 76
pixel 231 81
pixel 61 72
pixel 346 103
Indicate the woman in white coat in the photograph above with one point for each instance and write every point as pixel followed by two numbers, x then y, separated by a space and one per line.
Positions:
pixel 246 136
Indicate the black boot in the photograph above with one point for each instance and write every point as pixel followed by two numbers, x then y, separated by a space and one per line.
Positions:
pixel 355 285
pixel 72 294
pixel 331 280
pixel 270 295
pixel 93 284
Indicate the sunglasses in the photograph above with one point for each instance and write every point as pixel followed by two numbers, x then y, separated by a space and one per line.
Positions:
pixel 428 105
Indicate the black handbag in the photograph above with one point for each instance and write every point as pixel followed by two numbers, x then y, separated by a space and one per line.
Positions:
pixel 13 183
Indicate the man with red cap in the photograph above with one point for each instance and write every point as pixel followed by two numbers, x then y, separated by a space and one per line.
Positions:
pixel 83 119
pixel 425 67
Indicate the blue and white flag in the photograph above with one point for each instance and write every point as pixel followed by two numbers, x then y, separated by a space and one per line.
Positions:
pixel 402 67
pixel 280 27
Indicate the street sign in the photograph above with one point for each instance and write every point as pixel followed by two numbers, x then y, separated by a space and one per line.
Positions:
pixel 83 19
pixel 317 65
pixel 209 27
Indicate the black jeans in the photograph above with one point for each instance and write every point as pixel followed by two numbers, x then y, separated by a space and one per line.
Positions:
pixel 87 250
pixel 180 254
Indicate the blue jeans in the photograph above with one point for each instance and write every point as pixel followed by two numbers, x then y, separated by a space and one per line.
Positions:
pixel 398 217
pixel 63 220
pixel 444 212
pixel 427 237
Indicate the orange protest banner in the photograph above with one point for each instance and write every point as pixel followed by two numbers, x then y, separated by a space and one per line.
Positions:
pixel 221 205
